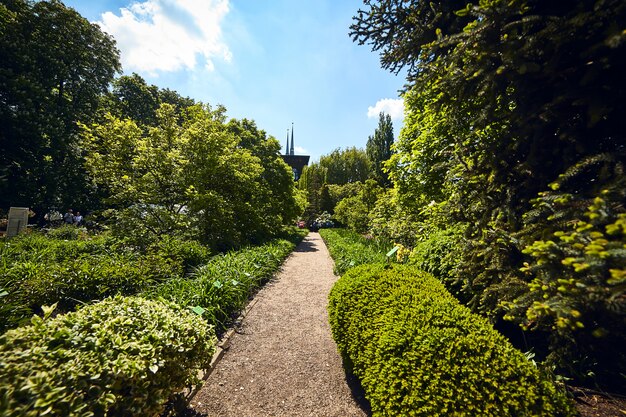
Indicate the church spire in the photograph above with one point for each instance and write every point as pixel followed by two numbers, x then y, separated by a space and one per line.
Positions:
pixel 291 150
pixel 287 144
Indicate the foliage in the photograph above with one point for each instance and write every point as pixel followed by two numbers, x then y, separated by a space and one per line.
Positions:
pixel 39 269
pixel 492 120
pixel 54 64
pixel 188 253
pixel 417 351
pixel 274 203
pixel 378 149
pixel 66 232
pixel 221 287
pixel 349 249
pixel 390 220
pixel 438 255
pixel 312 180
pixel 344 166
pixel 82 280
pixel 224 185
pixel 123 356
pixel 576 291
pixel 354 211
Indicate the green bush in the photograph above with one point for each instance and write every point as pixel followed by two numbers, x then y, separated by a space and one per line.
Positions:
pixel 418 352
pixel 438 255
pixel 123 356
pixel 67 232
pixel 31 284
pixel 349 249
pixel 223 286
pixel 189 253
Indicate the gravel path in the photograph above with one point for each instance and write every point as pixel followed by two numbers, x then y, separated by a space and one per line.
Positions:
pixel 282 361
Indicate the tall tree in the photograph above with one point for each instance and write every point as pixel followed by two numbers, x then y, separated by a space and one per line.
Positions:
pixel 378 149
pixel 133 98
pixel 190 176
pixel 346 165
pixel 54 65
pixel 508 101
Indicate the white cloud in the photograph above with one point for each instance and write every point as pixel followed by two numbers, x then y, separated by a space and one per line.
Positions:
pixel 392 107
pixel 168 35
pixel 298 150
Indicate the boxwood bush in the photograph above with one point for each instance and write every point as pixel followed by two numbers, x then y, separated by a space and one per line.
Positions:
pixel 123 356
pixel 418 352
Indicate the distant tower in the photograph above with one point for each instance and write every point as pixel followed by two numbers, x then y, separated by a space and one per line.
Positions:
pixel 291 149
pixel 296 162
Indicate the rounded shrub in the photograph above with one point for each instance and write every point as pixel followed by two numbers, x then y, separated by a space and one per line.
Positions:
pixel 418 352
pixel 123 356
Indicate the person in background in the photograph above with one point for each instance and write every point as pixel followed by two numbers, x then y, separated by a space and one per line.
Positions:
pixel 78 219
pixel 68 218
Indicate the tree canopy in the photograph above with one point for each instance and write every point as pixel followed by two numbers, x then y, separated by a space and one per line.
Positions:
pixel 514 127
pixel 378 148
pixel 54 65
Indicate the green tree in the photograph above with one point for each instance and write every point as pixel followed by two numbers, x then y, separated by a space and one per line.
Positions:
pixel 133 98
pixel 275 201
pixel 346 166
pixel 195 176
pixel 378 149
pixel 312 181
pixel 503 99
pixel 354 211
pixel 54 65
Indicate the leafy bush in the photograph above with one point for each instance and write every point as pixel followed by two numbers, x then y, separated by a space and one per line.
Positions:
pixel 417 351
pixel 123 356
pixel 349 249
pixel 576 291
pixel 220 288
pixel 438 255
pixel 189 253
pixel 67 232
pixel 31 284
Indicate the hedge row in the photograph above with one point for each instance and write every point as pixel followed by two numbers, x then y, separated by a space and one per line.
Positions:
pixel 221 287
pixel 418 352
pixel 350 249
pixel 122 356
pixel 41 270
pixel 126 356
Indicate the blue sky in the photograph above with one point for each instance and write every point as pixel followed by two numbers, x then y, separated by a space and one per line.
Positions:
pixel 273 61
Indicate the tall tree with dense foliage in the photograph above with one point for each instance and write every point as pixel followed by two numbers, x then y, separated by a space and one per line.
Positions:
pixel 346 165
pixel 313 179
pixel 131 97
pixel 192 175
pixel 378 149
pixel 54 65
pixel 507 102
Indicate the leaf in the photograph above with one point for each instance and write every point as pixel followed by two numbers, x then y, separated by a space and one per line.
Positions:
pixel 198 310
pixel 392 251
pixel 154 368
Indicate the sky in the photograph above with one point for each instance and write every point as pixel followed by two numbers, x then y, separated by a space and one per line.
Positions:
pixel 276 62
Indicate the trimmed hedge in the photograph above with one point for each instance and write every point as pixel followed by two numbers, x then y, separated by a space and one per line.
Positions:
pixel 349 249
pixel 418 352
pixel 123 356
pixel 31 284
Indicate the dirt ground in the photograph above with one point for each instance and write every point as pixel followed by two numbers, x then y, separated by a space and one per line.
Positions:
pixel 282 360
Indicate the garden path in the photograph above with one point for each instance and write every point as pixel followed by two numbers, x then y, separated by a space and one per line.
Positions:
pixel 282 360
